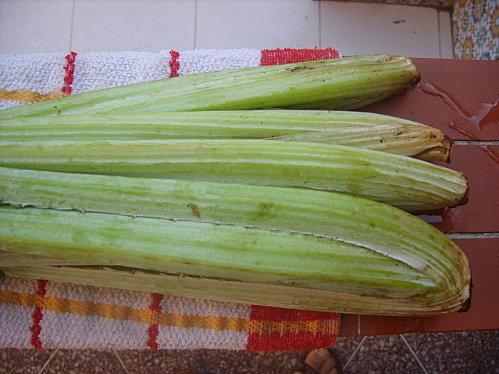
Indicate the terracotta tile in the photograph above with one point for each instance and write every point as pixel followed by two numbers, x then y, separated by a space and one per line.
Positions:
pixel 387 354
pixel 458 352
pixel 388 325
pixel 349 324
pixel 84 361
pixel 460 108
pixel 465 109
pixel 22 360
pixel 479 214
pixel 204 361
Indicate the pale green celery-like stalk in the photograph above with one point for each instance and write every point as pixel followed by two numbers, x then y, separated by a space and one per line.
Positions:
pixel 401 181
pixel 206 249
pixel 363 223
pixel 345 83
pixel 233 291
pixel 341 276
pixel 362 130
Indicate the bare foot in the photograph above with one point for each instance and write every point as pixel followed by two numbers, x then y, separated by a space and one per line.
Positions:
pixel 321 361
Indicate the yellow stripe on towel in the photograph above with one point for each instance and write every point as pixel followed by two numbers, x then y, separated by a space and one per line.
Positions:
pixel 28 96
pixel 120 312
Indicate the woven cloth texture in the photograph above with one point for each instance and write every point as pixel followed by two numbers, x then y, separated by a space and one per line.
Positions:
pixel 46 314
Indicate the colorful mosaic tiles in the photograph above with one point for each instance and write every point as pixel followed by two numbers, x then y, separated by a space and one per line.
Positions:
pixel 476 29
pixel 475 25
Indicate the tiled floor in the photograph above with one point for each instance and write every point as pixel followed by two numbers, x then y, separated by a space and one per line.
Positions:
pixel 28 26
pixel 468 352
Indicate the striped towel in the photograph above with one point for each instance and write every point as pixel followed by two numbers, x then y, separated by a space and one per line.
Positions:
pixel 45 314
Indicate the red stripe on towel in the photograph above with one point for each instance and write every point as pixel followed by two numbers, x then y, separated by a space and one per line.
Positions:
pixel 153 330
pixel 37 315
pixel 291 55
pixel 69 68
pixel 322 329
pixel 174 63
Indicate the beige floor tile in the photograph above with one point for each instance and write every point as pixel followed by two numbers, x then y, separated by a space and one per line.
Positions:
pixel 257 23
pixel 446 46
pixel 35 26
pixel 360 28
pixel 143 25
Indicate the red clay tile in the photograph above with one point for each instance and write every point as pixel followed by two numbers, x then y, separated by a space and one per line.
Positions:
pixel 480 164
pixel 349 324
pixel 454 96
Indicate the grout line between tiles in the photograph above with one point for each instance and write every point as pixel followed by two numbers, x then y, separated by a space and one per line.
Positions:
pixel 354 353
pixel 320 24
pixel 414 354
pixel 72 26
pixel 475 235
pixel 121 361
pixel 48 361
pixel 195 22
pixel 451 12
pixel 476 142
pixel 439 35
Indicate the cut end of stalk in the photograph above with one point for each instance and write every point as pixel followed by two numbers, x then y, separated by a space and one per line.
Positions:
pixel 460 198
pixel 467 304
pixel 449 144
pixel 416 74
pixel 440 152
pixel 465 198
pixel 415 80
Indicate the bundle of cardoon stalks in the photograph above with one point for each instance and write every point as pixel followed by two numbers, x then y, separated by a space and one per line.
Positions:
pixel 239 186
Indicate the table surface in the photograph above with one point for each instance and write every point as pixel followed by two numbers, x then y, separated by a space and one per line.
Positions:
pixel 461 98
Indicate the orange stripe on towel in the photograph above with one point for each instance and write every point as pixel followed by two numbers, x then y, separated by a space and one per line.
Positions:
pixel 28 96
pixel 148 316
